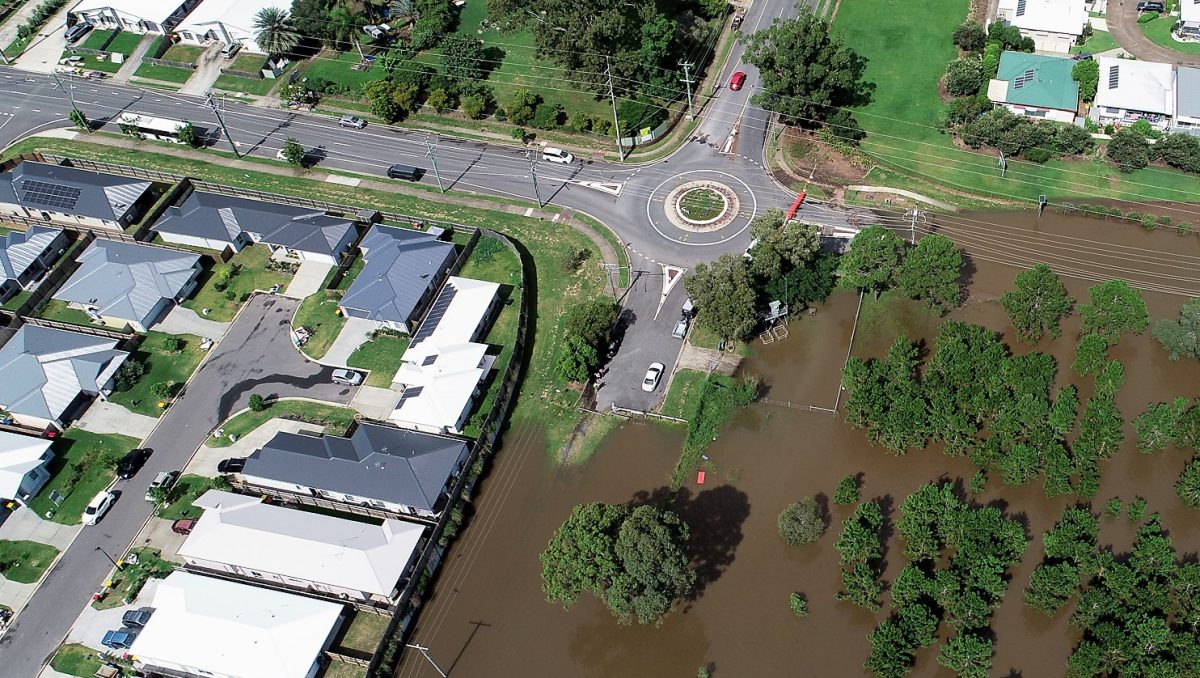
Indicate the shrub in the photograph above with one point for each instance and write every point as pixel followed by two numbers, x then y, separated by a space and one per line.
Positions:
pixel 474 106
pixel 847 491
pixel 991 59
pixel 572 261
pixel 1087 74
pixel 440 100
pixel 1147 17
pixel 1109 129
pixel 128 374
pixel 1091 125
pixel 1113 507
pixel 579 122
pixel 964 76
pixel 1037 155
pixel 638 114
pixel 802 522
pixel 257 403
pixel 163 389
pixel 519 134
pixel 501 114
pixel 844 126
pixel 522 107
pixel 546 116
pixel 1129 151
pixel 799 605
pixel 1183 228
pixel 172 343
pixel 1073 140
pixel 961 110
pixel 1181 151
pixel 1148 222
pixel 970 37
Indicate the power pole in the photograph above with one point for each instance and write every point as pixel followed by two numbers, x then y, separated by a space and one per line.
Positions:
pixel 613 97
pixel 425 651
pixel 212 103
pixel 431 153
pixel 687 81
pixel 533 175
pixel 69 89
pixel 912 238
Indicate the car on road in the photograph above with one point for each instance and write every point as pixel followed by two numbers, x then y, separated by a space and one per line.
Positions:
pixel 558 155
pixel 119 640
pixel 165 480
pixel 136 619
pixel 231 465
pixel 736 82
pixel 346 377
pixel 183 526
pixel 406 172
pixel 653 375
pixel 132 462
pixel 352 121
pixel 1151 7
pixel 98 506
pixel 74 33
pixel 680 330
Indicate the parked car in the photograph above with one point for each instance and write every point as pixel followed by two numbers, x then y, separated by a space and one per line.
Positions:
pixel 165 480
pixel 132 462
pixel 74 33
pixel 183 526
pixel 137 618
pixel 1151 7
pixel 736 82
pixel 681 328
pixel 653 375
pixel 230 50
pixel 558 155
pixel 347 377
pixel 1082 56
pixel 98 506
pixel 231 465
pixel 352 121
pixel 119 640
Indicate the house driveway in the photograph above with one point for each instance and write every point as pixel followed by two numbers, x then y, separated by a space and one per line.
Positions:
pixel 208 69
pixel 180 320
pixel 42 55
pixel 89 628
pixel 206 459
pixel 355 333
pixel 25 525
pixel 308 279
pixel 103 416
pixel 376 403
pixel 1122 23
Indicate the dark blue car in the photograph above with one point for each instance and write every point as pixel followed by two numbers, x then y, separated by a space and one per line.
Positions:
pixel 119 640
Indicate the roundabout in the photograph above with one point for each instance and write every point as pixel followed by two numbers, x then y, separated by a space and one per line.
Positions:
pixel 701 207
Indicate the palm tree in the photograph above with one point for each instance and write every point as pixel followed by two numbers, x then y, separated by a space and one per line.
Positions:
pixel 404 10
pixel 273 30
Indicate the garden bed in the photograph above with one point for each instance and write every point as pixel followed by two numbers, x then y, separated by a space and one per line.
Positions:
pixel 248 272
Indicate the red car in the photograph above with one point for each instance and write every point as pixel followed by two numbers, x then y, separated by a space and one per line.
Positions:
pixel 183 525
pixel 736 82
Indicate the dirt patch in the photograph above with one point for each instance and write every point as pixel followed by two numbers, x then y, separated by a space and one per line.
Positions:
pixel 828 166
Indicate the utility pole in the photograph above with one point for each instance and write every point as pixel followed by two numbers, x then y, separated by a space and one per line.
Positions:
pixel 212 103
pixel 912 238
pixel 533 175
pixel 69 89
pixel 431 153
pixel 613 97
pixel 425 651
pixel 687 81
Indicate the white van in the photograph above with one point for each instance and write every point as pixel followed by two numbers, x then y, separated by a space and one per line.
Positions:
pixel 557 155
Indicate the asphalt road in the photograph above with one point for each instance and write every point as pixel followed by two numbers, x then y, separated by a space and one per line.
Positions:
pixel 256 356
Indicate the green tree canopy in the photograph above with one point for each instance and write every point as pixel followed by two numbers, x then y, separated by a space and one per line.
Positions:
pixel 724 296
pixel 1037 304
pixel 873 260
pixel 802 522
pixel 1087 74
pixel 1115 308
pixel 463 58
pixel 806 69
pixel 1181 337
pixel 273 30
pixel 293 152
pixel 931 272
pixel 781 246
pixel 1128 150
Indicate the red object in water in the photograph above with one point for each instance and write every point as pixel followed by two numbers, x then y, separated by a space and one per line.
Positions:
pixel 791 213
pixel 699 477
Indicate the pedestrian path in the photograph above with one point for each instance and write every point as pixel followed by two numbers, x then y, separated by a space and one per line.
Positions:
pixel 8 32
pixel 42 55
pixel 133 61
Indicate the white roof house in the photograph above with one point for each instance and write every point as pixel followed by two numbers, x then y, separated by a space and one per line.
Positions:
pixel 23 462
pixel 241 535
pixel 1053 24
pixel 226 21
pixel 1130 90
pixel 1189 18
pixel 444 364
pixel 138 16
pixel 213 627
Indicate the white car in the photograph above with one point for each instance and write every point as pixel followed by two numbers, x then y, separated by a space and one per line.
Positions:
pixel 99 505
pixel 653 375
pixel 557 155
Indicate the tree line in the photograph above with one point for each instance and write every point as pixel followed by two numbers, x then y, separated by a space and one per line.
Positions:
pixel 1176 423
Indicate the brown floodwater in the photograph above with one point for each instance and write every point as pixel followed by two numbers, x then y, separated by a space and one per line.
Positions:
pixel 488 616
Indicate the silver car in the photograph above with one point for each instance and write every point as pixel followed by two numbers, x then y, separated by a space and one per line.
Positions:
pixel 347 377
pixel 653 375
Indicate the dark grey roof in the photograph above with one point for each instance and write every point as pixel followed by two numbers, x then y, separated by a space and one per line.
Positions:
pixel 220 217
pixel 401 264
pixel 1187 88
pixel 19 249
pixel 317 233
pixel 375 462
pixel 46 369
pixel 128 280
pixel 38 185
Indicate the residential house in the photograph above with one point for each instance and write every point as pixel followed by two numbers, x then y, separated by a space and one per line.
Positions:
pixel 204 626
pixel 227 22
pixel 244 537
pixel 23 461
pixel 1187 100
pixel 1131 90
pixel 1054 25
pixel 316 237
pixel 444 365
pixel 1036 86
pixel 403 270
pixel 26 255
pixel 38 190
pixel 137 16
pixel 121 283
pixel 381 467
pixel 1188 26
pixel 49 374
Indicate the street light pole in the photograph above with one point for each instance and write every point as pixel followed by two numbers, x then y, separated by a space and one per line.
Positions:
pixel 425 651
pixel 110 558
pixel 687 80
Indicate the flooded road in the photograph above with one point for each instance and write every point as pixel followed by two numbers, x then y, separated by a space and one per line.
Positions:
pixel 488 616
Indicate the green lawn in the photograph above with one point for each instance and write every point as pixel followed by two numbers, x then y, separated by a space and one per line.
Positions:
pixel 76 660
pixel 681 400
pixel 364 632
pixel 1159 32
pixel 128 582
pixel 1101 41
pixel 335 419
pixel 179 500
pixel 25 561
pixel 96 39
pixel 336 67
pixel 17 300
pixel 908 46
pixel 162 365
pixel 249 63
pixel 55 309
pixel 164 73
pixel 251 274
pixel 319 313
pixel 337 669
pixel 381 356
pixel 93 455
pixel 125 43
pixel 187 54
pixel 492 260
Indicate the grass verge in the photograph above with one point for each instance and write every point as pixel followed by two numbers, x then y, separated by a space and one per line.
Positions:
pixel 334 418
pixel 76 660
pixel 83 465
pixel 163 365
pixel 185 491
pixel 25 561
pixel 248 272
pixel 684 396
pixel 1101 41
pixel 163 73
pixel 126 584
pixel 381 356
pixel 719 398
pixel 1159 32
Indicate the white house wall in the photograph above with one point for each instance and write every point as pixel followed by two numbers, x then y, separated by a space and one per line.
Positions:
pixel 60 217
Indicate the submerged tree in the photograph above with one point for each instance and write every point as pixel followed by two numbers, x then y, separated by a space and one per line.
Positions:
pixel 1181 337
pixel 931 272
pixel 1037 304
pixel 724 296
pixel 1115 308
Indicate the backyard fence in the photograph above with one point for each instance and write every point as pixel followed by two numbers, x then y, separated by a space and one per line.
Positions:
pixel 253 75
pixel 119 335
pixel 172 64
pixel 178 190
pixel 111 168
pixel 24 223
pixel 56 277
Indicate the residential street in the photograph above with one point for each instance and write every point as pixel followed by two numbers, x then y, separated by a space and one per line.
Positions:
pixel 256 356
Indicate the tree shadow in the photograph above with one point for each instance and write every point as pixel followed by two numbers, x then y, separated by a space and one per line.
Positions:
pixel 886 504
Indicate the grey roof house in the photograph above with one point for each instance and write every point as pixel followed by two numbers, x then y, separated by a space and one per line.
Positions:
pixel 403 271
pixel 25 255
pixel 395 470
pixel 48 373
pixel 314 237
pixel 54 192
pixel 1187 100
pixel 120 282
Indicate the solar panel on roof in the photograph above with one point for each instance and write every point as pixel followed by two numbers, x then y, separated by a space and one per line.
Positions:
pixel 1023 79
pixel 52 195
pixel 429 360
pixel 1113 77
pixel 1020 7
pixel 435 314
pixel 411 392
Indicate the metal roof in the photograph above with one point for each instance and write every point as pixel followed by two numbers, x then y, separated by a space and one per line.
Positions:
pixel 401 266
pixel 1187 87
pixel 220 217
pixel 19 249
pixel 19 454
pixel 375 462
pixel 38 185
pixel 316 233
pixel 128 280
pixel 46 369
pixel 1037 80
